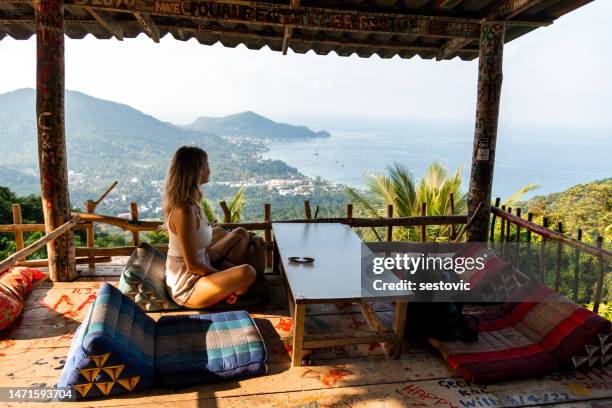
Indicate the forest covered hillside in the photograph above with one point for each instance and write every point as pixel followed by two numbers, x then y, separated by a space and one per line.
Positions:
pixel 587 206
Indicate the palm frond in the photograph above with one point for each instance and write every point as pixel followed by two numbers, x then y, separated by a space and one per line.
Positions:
pixel 236 205
pixel 209 212
pixel 362 202
pixel 518 195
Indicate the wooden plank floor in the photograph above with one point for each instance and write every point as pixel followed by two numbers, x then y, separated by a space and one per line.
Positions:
pixel 32 353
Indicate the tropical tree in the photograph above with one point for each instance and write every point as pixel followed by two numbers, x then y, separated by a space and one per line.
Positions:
pixel 398 187
pixel 235 206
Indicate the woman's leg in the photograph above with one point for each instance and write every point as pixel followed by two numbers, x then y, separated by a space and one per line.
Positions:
pixel 233 247
pixel 214 288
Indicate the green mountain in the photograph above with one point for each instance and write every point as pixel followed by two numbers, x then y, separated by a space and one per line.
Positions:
pixel 587 206
pixel 108 141
pixel 250 124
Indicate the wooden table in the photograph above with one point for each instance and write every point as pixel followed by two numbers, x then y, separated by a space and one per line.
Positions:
pixel 334 277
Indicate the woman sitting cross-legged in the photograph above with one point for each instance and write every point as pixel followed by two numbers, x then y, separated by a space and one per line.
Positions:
pixel 199 273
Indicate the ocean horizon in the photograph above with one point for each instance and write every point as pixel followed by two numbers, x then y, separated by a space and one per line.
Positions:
pixel 554 159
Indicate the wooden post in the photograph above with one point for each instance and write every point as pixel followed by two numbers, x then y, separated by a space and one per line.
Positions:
pixel 558 260
pixel 518 240
pixel 502 230
pixel 485 136
pixel 508 225
pixel 134 214
pixel 390 228
pixel 90 207
pixel 529 257
pixel 493 220
pixel 227 214
pixel 542 248
pixel 577 266
pixel 18 233
pixel 423 227
pixel 268 233
pixel 349 211
pixel 452 212
pixel 51 135
pixel 600 277
pixel 307 212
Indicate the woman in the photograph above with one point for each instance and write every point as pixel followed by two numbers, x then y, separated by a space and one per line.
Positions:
pixel 191 278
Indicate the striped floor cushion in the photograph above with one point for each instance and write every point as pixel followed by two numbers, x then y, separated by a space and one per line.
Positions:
pixel 113 350
pixel 208 347
pixel 576 336
pixel 501 352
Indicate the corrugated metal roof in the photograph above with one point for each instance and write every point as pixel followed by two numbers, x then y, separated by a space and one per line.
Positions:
pixel 442 29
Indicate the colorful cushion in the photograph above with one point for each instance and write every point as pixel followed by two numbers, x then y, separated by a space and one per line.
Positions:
pixel 501 352
pixel 576 336
pixel 15 284
pixel 207 347
pixel 113 350
pixel 144 279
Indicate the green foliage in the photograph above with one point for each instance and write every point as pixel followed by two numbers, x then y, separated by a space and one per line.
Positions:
pixel 155 237
pixel 587 206
pixel 398 187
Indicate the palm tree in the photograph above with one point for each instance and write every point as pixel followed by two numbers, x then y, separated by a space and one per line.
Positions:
pixel 397 186
pixel 235 206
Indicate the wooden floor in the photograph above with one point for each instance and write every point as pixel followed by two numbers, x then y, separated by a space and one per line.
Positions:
pixel 32 353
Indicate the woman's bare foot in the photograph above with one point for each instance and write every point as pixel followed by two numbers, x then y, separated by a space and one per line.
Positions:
pixel 231 299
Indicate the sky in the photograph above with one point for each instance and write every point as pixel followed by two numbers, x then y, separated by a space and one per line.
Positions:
pixel 557 75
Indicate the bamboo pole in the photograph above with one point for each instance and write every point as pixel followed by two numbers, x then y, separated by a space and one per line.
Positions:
pixel 307 212
pixel 227 214
pixel 502 231
pixel 51 136
pixel 600 277
pixel 90 207
pixel 452 212
pixel 529 257
pixel 39 263
pixel 268 233
pixel 390 228
pixel 134 215
pixel 518 239
pixel 30 249
pixel 490 61
pixel 577 266
pixel 423 227
pixel 19 242
pixel 113 251
pixel 558 259
pixel 493 220
pixel 542 249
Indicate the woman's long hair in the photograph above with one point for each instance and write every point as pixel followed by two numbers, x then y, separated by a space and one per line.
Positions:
pixel 183 179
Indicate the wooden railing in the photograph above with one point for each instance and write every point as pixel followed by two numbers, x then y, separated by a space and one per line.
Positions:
pixel 517 234
pixel 525 230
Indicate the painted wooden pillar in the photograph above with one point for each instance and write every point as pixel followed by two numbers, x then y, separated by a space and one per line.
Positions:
pixel 485 135
pixel 51 135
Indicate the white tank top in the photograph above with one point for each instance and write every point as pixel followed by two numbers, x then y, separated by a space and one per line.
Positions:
pixel 203 236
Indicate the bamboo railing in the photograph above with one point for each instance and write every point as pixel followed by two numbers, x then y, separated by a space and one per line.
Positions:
pixel 91 255
pixel 554 239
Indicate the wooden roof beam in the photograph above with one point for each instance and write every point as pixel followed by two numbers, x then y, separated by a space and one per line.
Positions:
pixel 148 25
pixel 294 4
pixel 499 10
pixel 107 21
pixel 280 15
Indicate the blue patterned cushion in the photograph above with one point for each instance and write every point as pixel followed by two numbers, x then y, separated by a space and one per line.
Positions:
pixel 113 349
pixel 144 279
pixel 207 347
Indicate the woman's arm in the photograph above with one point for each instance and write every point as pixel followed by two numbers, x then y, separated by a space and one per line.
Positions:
pixel 184 220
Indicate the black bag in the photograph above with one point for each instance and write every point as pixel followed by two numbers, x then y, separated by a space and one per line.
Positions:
pixel 443 321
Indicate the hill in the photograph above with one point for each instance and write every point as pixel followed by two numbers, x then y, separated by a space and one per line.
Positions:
pixel 109 141
pixel 587 206
pixel 250 124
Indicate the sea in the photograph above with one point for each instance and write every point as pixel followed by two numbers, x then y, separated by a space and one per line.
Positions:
pixel 555 159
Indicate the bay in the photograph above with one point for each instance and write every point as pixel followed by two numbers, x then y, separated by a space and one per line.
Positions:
pixel 556 159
